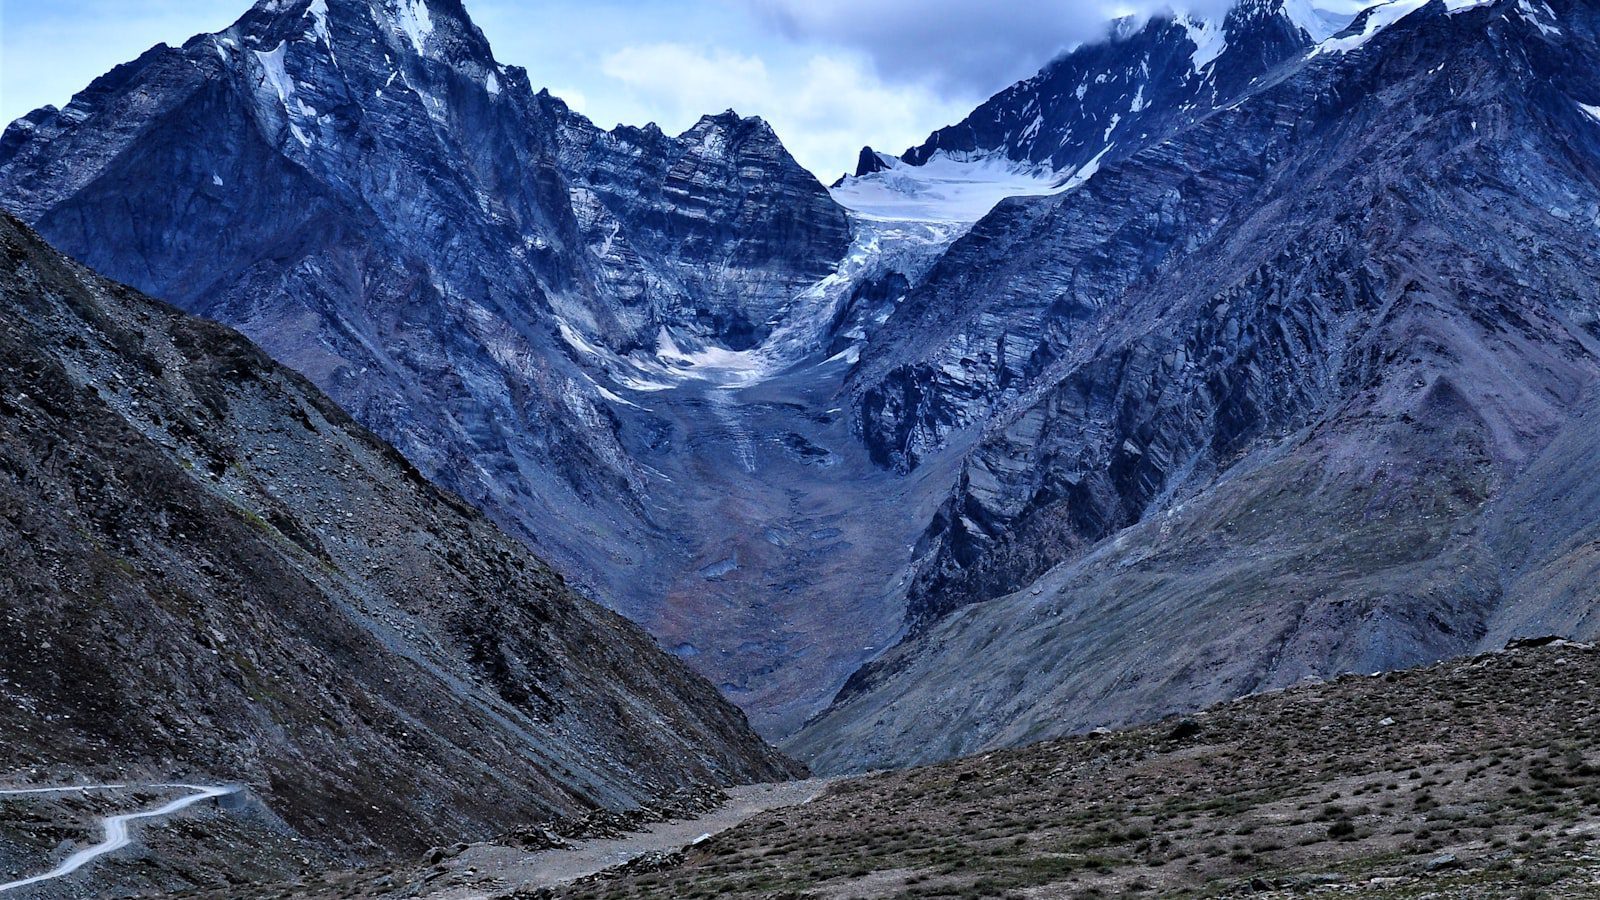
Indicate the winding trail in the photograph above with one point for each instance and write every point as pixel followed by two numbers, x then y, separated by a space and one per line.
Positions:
pixel 117 835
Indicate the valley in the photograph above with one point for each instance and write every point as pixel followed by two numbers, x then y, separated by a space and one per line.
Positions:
pixel 1115 493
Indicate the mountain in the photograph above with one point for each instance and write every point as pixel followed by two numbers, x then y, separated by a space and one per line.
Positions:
pixel 212 573
pixel 1094 105
pixel 1220 353
pixel 1292 392
pixel 500 289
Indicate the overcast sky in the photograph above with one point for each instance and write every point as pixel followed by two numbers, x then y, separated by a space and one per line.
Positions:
pixel 830 75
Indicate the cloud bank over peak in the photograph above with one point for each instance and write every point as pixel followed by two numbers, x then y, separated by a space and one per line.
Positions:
pixel 961 47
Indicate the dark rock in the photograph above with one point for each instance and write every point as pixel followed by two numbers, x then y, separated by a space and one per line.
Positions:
pixel 1184 730
pixel 1442 863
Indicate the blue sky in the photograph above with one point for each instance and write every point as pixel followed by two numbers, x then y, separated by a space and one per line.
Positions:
pixel 830 75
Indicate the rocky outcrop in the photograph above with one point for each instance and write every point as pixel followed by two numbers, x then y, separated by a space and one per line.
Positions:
pixel 213 573
pixel 712 233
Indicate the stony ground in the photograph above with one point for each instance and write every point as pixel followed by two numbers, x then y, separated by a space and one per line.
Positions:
pixel 1471 779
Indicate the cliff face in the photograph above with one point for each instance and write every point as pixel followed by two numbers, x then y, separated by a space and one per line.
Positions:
pixel 211 572
pixel 711 234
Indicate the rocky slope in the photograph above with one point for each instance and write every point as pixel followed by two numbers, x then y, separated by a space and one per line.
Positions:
pixel 212 573
pixel 1270 398
pixel 1477 778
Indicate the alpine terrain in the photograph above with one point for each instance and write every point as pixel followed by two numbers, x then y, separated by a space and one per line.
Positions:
pixel 1223 356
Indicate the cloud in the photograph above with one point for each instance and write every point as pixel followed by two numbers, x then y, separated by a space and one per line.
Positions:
pixel 959 47
pixel 824 105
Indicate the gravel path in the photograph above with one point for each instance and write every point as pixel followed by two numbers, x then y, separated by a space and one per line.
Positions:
pixel 486 870
pixel 115 828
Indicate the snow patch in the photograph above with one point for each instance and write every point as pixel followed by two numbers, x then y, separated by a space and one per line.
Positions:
pixel 318 11
pixel 1320 23
pixel 275 75
pixel 415 21
pixel 1381 16
pixel 1210 39
pixel 1532 14
pixel 1592 112
pixel 1082 174
pixel 952 189
pixel 492 83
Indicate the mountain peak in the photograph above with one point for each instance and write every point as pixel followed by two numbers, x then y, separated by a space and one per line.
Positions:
pixel 871 161
pixel 729 127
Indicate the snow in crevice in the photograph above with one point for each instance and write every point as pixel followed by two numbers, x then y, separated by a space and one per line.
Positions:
pixel 1537 15
pixel 1592 112
pixel 415 20
pixel 1078 177
pixel 318 12
pixel 1210 39
pixel 1116 119
pixel 277 77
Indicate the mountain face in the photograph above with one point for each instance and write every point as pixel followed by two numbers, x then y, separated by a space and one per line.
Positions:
pixel 463 265
pixel 1095 105
pixel 1290 393
pixel 710 234
pixel 376 661
pixel 1145 81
